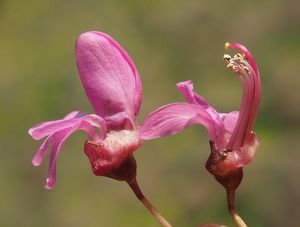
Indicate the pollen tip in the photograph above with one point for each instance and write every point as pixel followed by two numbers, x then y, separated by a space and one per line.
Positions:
pixel 35 162
pixel 49 184
pixel 47 187
pixel 227 58
pixel 227 45
pixel 30 131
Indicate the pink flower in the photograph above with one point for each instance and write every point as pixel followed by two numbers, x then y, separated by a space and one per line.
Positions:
pixel 114 89
pixel 232 141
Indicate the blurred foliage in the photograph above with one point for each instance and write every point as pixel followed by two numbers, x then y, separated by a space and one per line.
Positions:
pixel 170 41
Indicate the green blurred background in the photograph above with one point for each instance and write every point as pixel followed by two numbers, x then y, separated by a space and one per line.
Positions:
pixel 170 41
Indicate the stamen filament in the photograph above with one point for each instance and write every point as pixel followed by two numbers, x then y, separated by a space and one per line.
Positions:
pixel 244 66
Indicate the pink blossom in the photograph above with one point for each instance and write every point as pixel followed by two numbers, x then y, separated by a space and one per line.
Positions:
pixel 113 87
pixel 233 143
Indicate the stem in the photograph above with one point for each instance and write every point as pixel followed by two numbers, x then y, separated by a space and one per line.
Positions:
pixel 231 204
pixel 137 191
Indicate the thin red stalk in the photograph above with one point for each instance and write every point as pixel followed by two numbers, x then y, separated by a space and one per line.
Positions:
pixel 137 191
pixel 231 208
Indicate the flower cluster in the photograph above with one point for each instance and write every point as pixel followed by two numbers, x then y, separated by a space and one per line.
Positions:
pixel 113 87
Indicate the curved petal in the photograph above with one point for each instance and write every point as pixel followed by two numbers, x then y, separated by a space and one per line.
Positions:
pixel 40 154
pixel 58 139
pixel 187 90
pixel 108 74
pixel 174 118
pixel 58 131
pixel 47 128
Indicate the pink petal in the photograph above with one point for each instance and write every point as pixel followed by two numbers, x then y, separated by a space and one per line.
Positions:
pixel 120 121
pixel 174 118
pixel 47 128
pixel 229 120
pixel 58 131
pixel 40 154
pixel 108 75
pixel 58 140
pixel 75 114
pixel 186 88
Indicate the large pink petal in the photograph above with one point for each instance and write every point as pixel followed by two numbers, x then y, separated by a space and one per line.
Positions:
pixel 108 74
pixel 174 118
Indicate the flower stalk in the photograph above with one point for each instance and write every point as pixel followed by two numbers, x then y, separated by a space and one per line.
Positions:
pixel 231 208
pixel 137 191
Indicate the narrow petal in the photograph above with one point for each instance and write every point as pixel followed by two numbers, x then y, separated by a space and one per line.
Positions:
pixel 59 138
pixel 47 128
pixel 75 114
pixel 108 74
pixel 40 154
pixel 187 90
pixel 58 131
pixel 174 118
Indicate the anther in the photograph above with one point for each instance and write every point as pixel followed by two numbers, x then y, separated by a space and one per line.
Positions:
pixel 232 67
pixel 227 58
pixel 227 45
pixel 238 57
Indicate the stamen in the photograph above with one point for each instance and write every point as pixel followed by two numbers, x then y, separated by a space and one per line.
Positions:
pixel 244 66
pixel 227 58
pixel 233 67
pixel 239 56
pixel 227 45
pixel 237 64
